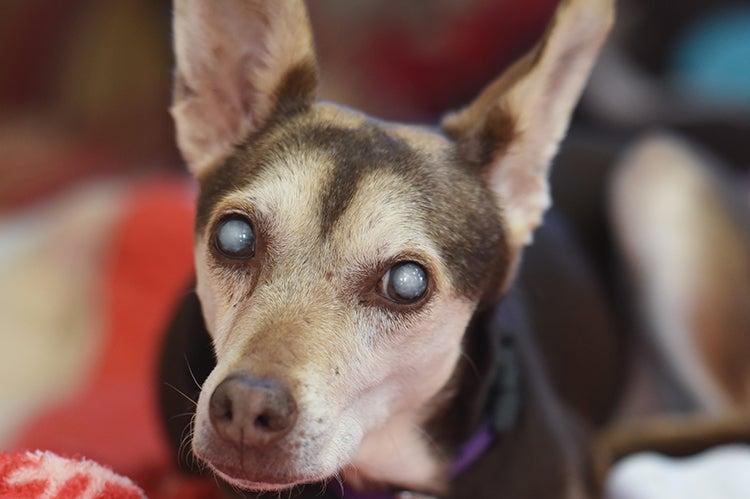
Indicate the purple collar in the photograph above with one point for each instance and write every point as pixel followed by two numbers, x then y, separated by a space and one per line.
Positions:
pixel 466 456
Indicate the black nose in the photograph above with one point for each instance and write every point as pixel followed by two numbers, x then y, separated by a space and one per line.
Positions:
pixel 251 411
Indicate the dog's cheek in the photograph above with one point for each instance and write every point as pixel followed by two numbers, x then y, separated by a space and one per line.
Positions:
pixel 203 289
pixel 436 346
pixel 215 294
pixel 411 366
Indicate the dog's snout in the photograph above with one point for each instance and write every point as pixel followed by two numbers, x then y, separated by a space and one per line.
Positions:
pixel 251 411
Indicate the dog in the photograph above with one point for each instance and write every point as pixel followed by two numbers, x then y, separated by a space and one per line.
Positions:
pixel 367 304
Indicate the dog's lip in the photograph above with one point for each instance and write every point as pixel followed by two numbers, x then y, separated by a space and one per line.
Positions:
pixel 266 482
pixel 257 486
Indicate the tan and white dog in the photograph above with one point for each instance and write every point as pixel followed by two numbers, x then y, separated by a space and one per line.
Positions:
pixel 346 266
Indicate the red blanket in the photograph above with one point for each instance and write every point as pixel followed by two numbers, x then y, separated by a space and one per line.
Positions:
pixel 113 419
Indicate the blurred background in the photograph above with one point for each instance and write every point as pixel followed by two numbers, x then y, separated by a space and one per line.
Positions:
pixel 95 208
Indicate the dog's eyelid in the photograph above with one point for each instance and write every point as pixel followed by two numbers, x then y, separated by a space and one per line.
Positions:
pixel 236 203
pixel 222 212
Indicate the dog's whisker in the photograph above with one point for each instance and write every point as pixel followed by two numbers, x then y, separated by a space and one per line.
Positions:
pixel 431 441
pixel 182 415
pixel 185 439
pixel 471 363
pixel 192 375
pixel 216 479
pixel 323 488
pixel 195 403
pixel 189 456
pixel 185 433
pixel 340 481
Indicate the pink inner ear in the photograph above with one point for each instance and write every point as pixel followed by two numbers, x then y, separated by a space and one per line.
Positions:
pixel 233 57
pixel 212 107
pixel 541 92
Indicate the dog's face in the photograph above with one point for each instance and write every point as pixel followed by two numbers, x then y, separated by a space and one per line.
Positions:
pixel 339 258
pixel 368 247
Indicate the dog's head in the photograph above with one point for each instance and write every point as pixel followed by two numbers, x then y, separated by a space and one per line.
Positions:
pixel 340 258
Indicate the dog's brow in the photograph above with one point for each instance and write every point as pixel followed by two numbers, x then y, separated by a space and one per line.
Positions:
pixel 356 153
pixel 460 217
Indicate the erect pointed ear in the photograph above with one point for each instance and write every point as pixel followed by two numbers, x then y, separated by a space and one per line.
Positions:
pixel 512 130
pixel 238 62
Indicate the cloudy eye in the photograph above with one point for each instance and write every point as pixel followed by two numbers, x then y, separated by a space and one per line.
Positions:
pixel 235 237
pixel 405 282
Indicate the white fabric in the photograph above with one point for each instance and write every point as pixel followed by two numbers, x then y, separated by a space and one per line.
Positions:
pixel 719 473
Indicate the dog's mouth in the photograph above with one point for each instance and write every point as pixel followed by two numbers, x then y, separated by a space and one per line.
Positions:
pixel 246 479
pixel 252 480
pixel 267 483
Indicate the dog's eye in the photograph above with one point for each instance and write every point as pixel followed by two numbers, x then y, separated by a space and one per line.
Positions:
pixel 235 237
pixel 405 282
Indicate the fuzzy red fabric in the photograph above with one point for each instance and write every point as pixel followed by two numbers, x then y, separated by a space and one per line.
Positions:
pixel 114 418
pixel 36 475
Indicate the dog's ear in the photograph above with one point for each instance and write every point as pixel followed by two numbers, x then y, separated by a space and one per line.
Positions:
pixel 512 130
pixel 238 62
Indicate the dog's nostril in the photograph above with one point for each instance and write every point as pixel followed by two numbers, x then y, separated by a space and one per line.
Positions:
pixel 263 421
pixel 227 414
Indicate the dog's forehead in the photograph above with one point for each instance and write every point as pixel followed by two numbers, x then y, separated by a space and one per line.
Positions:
pixel 336 177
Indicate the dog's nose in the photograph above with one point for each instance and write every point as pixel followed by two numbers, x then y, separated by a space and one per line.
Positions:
pixel 251 411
